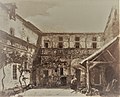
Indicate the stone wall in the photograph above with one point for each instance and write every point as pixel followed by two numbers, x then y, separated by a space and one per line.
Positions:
pixel 85 39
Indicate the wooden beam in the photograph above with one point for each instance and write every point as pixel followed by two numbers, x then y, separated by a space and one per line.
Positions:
pixel 99 62
pixel 98 55
pixel 111 55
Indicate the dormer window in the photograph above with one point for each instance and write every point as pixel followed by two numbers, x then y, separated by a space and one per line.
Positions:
pixel 77 38
pixel 60 38
pixel 46 45
pixel 94 39
pixel 94 43
pixel 12 12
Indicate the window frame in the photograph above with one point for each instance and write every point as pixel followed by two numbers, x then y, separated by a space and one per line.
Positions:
pixel 60 38
pixel 77 44
pixel 12 31
pixel 46 46
pixel 77 38
pixel 61 71
pixel 94 45
pixel 60 45
pixel 14 72
pixel 94 39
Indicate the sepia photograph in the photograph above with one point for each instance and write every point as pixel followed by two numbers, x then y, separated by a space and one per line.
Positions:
pixel 59 48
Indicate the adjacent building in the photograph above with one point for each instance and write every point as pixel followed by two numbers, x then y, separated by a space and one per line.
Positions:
pixel 103 66
pixel 112 26
pixel 17 47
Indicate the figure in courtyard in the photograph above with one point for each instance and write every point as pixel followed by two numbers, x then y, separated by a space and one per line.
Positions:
pixel 74 84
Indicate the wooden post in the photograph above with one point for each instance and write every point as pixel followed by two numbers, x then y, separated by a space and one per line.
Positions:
pixel 70 56
pixel 87 78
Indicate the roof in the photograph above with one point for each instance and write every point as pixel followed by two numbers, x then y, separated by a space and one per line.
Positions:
pixel 72 33
pixel 3 6
pixel 29 25
pixel 113 13
pixel 6 36
pixel 99 51
pixel 26 23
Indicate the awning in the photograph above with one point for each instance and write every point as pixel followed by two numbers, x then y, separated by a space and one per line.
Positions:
pixel 105 50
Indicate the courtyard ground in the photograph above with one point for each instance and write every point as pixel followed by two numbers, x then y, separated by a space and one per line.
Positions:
pixel 50 92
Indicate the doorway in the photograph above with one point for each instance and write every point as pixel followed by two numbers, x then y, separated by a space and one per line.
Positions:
pixel 63 81
pixel 78 73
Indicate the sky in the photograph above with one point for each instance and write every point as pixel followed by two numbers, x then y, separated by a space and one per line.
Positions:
pixel 66 15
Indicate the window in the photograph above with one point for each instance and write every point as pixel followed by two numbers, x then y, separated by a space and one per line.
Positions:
pixel 14 72
pixel 94 45
pixel 61 71
pixel 60 38
pixel 46 73
pixel 28 39
pixel 55 69
pixel 12 31
pixel 25 66
pixel 77 38
pixel 11 41
pixel 60 45
pixel 12 13
pixel 46 45
pixel 94 39
pixel 77 45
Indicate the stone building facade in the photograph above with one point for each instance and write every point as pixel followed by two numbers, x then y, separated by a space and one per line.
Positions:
pixel 72 40
pixel 57 52
pixel 16 47
pixel 46 59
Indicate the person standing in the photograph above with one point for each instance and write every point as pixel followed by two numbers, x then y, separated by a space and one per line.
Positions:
pixel 74 84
